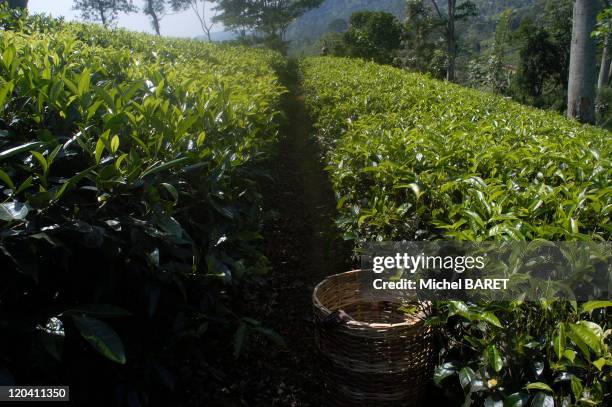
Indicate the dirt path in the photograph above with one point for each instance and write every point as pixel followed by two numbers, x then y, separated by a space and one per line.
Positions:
pixel 304 247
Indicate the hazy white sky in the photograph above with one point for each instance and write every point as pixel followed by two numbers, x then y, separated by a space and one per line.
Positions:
pixel 185 24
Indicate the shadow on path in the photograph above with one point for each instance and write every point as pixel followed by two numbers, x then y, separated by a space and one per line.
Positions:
pixel 303 246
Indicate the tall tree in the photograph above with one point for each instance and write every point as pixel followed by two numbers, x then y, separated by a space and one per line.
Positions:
pixel 199 8
pixel 582 74
pixel 420 39
pixel 268 17
pixel 538 61
pixel 454 13
pixel 556 19
pixel 604 30
pixel 105 11
pixel 155 9
pixel 374 35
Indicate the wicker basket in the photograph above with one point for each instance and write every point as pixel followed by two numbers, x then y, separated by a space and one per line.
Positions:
pixel 378 357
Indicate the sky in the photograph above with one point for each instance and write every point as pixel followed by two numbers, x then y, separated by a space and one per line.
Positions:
pixel 183 24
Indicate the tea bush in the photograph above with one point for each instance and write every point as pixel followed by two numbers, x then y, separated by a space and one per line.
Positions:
pixel 412 158
pixel 417 158
pixel 130 172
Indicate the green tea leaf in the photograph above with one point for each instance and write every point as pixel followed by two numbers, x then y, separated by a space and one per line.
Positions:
pixel 6 179
pixel 495 359
pixel 587 335
pixel 539 386
pixel 20 149
pixel 466 375
pixel 592 305
pixel 114 144
pixel 543 400
pixel 101 336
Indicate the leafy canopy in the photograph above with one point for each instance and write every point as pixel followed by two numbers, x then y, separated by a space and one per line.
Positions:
pixel 104 11
pixel 262 16
pixel 374 35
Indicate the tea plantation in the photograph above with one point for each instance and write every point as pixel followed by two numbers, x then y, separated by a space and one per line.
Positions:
pixel 416 159
pixel 130 172
pixel 420 158
pixel 133 179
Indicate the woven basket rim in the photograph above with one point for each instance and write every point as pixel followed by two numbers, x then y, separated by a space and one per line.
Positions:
pixel 376 326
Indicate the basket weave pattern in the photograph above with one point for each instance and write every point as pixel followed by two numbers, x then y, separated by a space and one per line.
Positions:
pixel 380 358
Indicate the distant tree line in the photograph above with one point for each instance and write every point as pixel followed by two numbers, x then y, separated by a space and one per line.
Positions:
pixel 267 18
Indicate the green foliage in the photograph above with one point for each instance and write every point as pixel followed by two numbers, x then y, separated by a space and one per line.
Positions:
pixel 534 351
pixel 21 20
pixel 104 11
pixel 421 159
pixel 539 68
pixel 130 169
pixel 333 16
pixel 484 167
pixel 261 16
pixel 373 35
pixel 490 71
pixel 422 47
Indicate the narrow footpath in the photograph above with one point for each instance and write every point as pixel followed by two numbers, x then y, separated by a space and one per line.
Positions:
pixel 303 246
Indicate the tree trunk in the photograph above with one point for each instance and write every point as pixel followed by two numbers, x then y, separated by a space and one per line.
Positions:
pixel 154 17
pixel 605 64
pixel 102 16
pixel 582 73
pixel 450 31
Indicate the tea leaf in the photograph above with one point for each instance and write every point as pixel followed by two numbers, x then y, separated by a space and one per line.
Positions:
pixel 101 336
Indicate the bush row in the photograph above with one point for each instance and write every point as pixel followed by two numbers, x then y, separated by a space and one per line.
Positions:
pixel 130 168
pixel 412 158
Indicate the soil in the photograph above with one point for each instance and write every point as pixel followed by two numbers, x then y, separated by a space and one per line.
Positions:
pixel 304 247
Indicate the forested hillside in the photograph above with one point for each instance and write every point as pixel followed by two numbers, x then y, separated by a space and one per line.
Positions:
pixel 333 15
pixel 316 22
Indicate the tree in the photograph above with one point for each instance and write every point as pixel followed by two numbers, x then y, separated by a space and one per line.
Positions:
pixel 420 40
pixel 429 19
pixel 604 30
pixel 454 13
pixel 581 83
pixel 557 21
pixel 490 69
pixel 538 60
pixel 155 9
pixel 105 11
pixel 268 17
pixel 199 9
pixel 374 35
